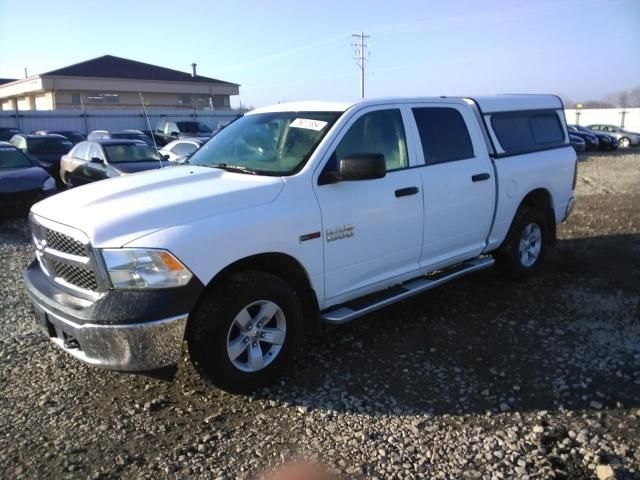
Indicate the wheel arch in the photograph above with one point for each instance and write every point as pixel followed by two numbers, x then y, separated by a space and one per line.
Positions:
pixel 541 199
pixel 283 266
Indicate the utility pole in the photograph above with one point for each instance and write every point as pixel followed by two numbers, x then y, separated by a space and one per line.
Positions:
pixel 361 56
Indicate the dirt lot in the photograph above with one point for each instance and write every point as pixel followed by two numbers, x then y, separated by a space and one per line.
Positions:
pixel 479 379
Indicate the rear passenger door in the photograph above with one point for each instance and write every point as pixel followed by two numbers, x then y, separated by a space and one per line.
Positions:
pixel 458 184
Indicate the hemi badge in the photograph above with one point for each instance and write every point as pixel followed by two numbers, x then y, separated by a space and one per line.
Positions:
pixel 309 236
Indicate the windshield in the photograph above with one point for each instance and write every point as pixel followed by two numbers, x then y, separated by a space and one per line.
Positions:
pixel 193 127
pixel 44 146
pixel 132 152
pixel 13 158
pixel 133 136
pixel 74 137
pixel 276 143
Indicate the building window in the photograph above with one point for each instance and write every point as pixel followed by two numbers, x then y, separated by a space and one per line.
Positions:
pixel 185 100
pixel 221 101
pixel 98 97
pixel 75 99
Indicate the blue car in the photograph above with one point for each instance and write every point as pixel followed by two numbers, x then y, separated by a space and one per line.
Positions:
pixel 22 181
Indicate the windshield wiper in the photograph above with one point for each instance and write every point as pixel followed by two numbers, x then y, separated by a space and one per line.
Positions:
pixel 234 168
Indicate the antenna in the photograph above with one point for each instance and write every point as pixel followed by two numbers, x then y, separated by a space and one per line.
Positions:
pixel 150 130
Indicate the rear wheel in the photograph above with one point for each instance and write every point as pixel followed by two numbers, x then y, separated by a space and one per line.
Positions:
pixel 624 142
pixel 525 248
pixel 245 333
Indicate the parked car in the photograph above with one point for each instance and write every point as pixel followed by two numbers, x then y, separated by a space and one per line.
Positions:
pixel 293 215
pixel 6 133
pixel 625 138
pixel 168 131
pixel 99 135
pixel 46 148
pixel 605 141
pixel 578 143
pixel 133 135
pixel 590 139
pixel 71 135
pixel 91 161
pixel 179 150
pixel 22 181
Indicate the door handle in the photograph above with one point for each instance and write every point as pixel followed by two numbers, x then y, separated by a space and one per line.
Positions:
pixel 405 192
pixel 479 177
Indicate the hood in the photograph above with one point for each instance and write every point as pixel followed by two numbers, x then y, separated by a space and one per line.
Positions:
pixel 21 179
pixel 115 212
pixel 133 167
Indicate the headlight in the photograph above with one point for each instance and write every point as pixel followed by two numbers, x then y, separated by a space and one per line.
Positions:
pixel 49 184
pixel 138 268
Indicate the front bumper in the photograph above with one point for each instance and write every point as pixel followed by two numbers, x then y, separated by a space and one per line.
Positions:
pixel 122 329
pixel 134 347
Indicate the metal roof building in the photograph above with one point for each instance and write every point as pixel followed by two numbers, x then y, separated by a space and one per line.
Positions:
pixel 114 82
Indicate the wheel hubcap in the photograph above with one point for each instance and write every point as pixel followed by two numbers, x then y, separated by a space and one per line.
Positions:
pixel 624 142
pixel 256 336
pixel 530 245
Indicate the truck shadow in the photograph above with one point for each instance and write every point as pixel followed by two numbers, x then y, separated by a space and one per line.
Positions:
pixel 566 339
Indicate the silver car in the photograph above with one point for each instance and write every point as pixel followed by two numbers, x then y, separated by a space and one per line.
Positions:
pixel 625 138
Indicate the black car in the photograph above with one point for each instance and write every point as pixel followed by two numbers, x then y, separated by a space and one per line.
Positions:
pixel 577 143
pixel 71 135
pixel 22 182
pixel 46 148
pixel 91 161
pixel 590 138
pixel 605 141
pixel 7 132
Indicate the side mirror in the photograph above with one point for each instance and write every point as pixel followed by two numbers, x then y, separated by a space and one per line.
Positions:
pixel 96 160
pixel 175 134
pixel 362 166
pixel 166 157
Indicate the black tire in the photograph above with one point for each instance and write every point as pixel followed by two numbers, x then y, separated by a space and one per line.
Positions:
pixel 213 322
pixel 508 256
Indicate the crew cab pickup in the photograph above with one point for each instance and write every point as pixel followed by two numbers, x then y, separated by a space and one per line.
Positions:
pixel 292 216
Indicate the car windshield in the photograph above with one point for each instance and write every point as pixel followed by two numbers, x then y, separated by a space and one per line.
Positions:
pixel 131 152
pixel 193 127
pixel 583 129
pixel 276 143
pixel 49 145
pixel 133 136
pixel 13 158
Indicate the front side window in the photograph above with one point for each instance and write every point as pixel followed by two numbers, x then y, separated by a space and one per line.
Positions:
pixel 81 152
pixel 131 152
pixel 95 152
pixel 443 134
pixel 277 143
pixel 379 132
pixel 13 158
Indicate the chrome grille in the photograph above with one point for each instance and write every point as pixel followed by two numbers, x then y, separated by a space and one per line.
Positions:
pixel 66 256
pixel 80 277
pixel 64 243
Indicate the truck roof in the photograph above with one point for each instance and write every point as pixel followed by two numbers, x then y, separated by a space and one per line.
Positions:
pixel 488 104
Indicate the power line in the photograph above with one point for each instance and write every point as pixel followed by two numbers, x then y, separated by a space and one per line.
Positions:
pixel 361 56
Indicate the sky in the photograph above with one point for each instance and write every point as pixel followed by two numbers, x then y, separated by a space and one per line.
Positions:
pixel 301 50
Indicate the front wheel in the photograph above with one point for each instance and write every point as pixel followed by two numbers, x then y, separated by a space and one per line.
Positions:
pixel 525 248
pixel 624 142
pixel 245 333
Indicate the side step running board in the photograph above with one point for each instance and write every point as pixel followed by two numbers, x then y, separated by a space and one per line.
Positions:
pixel 362 306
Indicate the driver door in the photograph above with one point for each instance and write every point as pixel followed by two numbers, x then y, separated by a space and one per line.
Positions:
pixel 372 228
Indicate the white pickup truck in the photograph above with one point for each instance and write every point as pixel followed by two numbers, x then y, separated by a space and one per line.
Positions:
pixel 292 216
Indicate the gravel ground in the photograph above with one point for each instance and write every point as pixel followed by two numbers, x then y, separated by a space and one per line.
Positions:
pixel 478 379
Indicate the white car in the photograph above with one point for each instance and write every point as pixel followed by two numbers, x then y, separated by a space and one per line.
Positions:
pixel 294 215
pixel 180 149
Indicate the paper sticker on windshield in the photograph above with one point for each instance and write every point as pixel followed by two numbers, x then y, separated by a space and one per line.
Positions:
pixel 309 124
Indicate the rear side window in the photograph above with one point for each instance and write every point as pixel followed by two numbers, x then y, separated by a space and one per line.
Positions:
pixel 81 152
pixel 443 134
pixel 520 132
pixel 184 148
